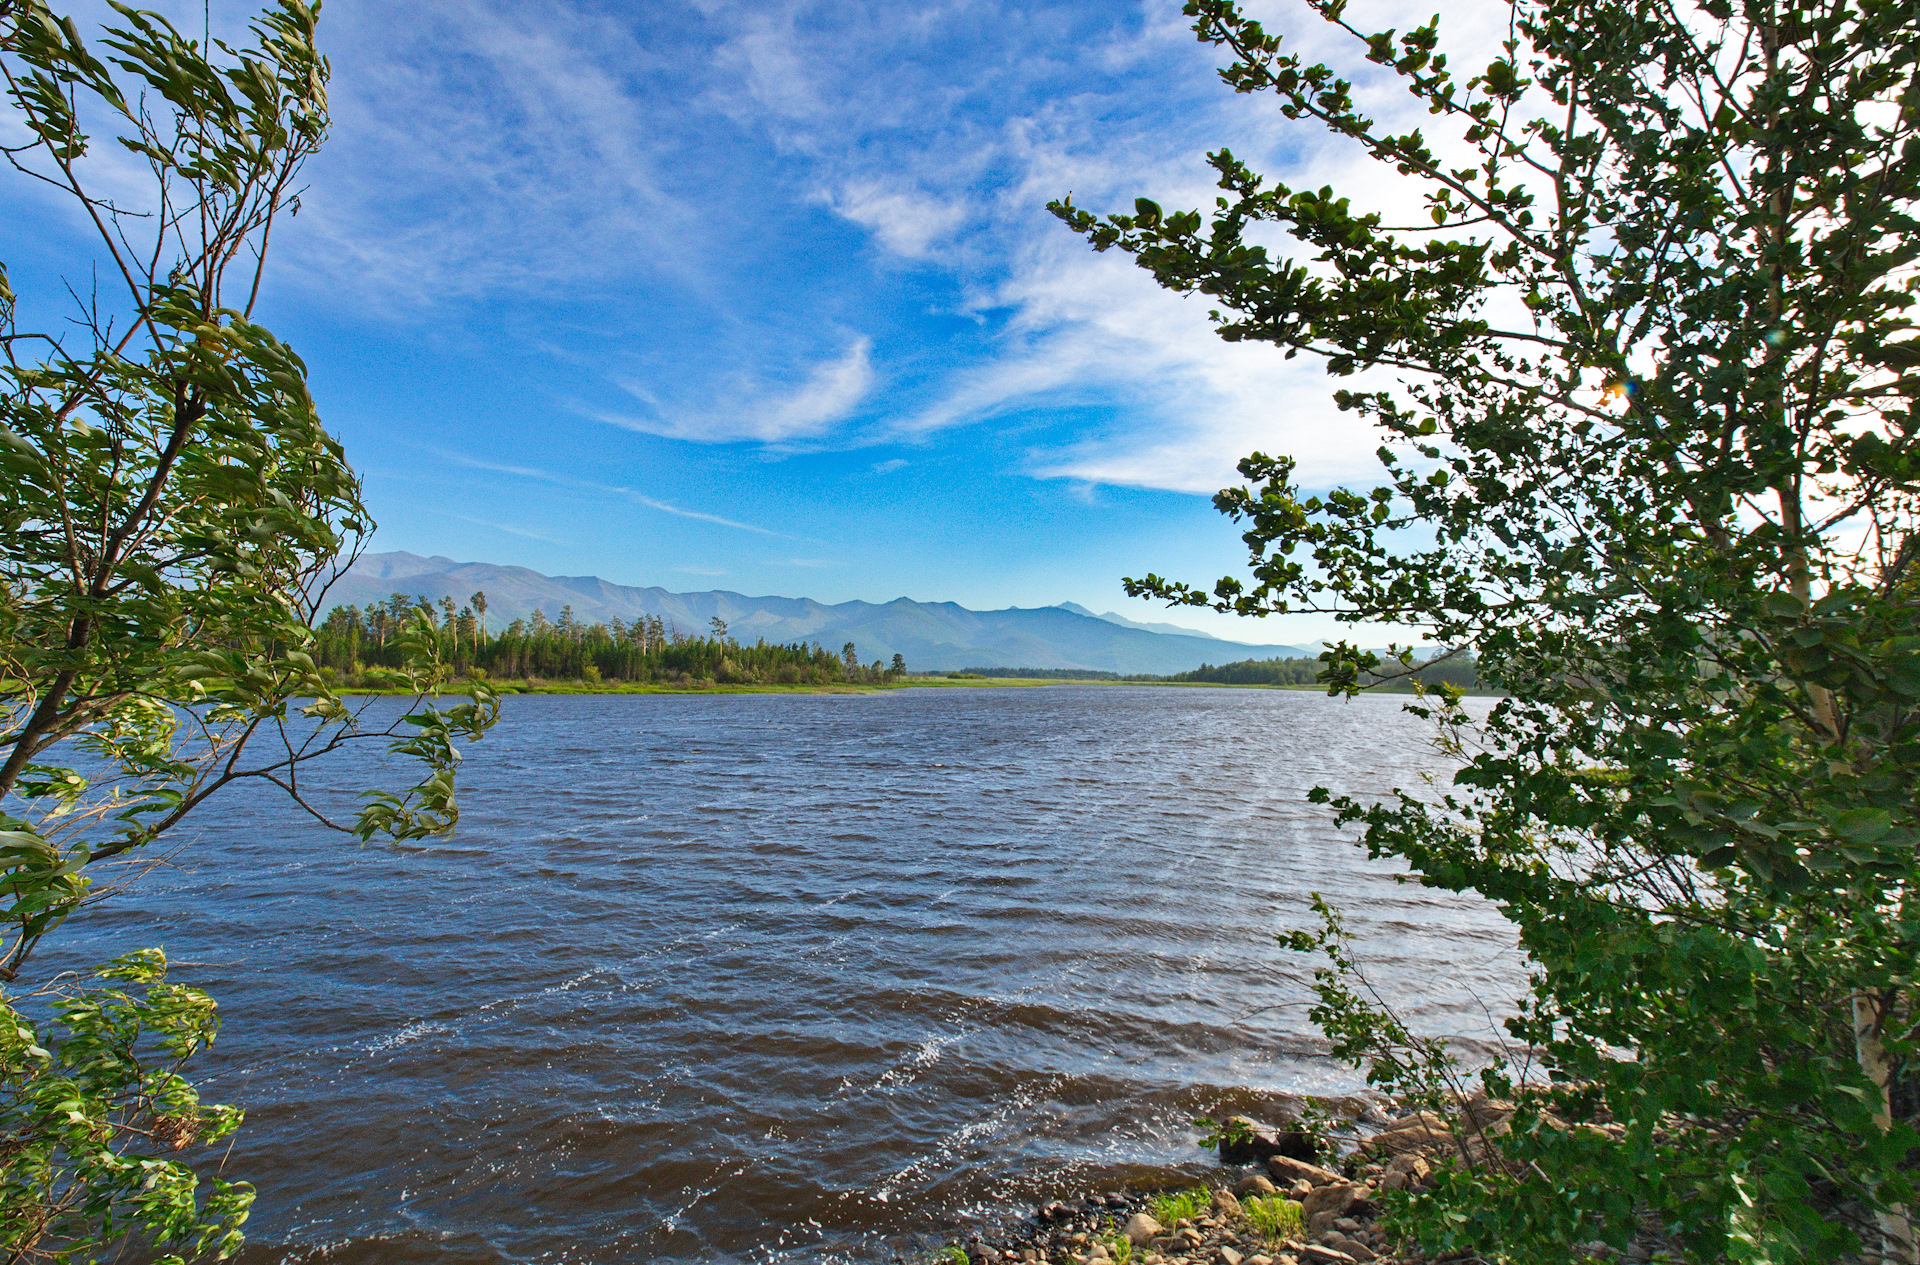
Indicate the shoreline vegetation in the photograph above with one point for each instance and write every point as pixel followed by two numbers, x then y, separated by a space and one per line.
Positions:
pixel 1310 1189
pixel 362 652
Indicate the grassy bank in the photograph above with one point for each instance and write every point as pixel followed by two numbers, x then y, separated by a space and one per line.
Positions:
pixel 542 686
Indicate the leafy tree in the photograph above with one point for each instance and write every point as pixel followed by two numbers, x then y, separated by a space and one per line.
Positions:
pixel 1651 455
pixel 95 1111
pixel 171 511
pixel 479 603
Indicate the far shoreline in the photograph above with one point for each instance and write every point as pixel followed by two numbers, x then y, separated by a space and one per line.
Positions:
pixel 907 683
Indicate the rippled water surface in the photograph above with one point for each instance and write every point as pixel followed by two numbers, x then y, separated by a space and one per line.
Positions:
pixel 791 977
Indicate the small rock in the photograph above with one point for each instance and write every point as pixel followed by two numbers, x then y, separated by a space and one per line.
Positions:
pixel 1098 1252
pixel 1421 1131
pixel 1260 1258
pixel 1409 1170
pixel 1321 1254
pixel 1254 1184
pixel 1114 1199
pixel 1482 1112
pixel 1346 1225
pixel 1142 1228
pixel 1285 1168
pixel 1225 1204
pixel 1054 1210
pixel 1227 1256
pixel 1336 1199
pixel 1261 1140
pixel 1300 1189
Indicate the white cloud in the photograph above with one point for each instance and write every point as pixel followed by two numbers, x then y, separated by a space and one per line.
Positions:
pixel 828 393
pixel 475 151
pixel 907 221
pixel 523 532
pixel 1094 333
pixel 478 153
pixel 608 489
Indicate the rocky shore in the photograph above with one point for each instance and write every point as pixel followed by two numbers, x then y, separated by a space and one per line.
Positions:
pixel 1287 1205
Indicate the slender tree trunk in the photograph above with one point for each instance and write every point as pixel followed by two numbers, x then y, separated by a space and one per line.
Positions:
pixel 1870 1011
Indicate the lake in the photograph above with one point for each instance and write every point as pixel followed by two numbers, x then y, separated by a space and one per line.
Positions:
pixel 789 977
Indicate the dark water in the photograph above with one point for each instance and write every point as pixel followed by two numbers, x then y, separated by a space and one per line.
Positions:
pixel 794 978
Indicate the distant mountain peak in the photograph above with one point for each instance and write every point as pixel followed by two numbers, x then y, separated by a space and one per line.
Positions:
pixel 1114 617
pixel 932 636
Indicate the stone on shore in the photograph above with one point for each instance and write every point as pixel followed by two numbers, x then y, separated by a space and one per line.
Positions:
pixel 1407 1172
pixel 1225 1206
pixel 1351 1246
pixel 1327 1204
pixel 1321 1254
pixel 1254 1184
pixel 1141 1229
pixel 1421 1131
pixel 1286 1170
pixel 1262 1140
pixel 1335 1198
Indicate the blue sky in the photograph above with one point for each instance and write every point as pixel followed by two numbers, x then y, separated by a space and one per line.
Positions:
pixel 763 296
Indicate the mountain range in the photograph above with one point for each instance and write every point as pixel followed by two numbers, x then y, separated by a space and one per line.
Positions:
pixel 932 636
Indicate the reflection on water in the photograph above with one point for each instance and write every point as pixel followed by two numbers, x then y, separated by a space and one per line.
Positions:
pixel 756 976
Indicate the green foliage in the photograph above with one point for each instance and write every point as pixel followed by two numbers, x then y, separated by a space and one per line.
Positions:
pixel 1176 1205
pixel 168 496
pixel 1047 674
pixel 1255 672
pixel 96 1112
pixel 1455 670
pixel 1233 1131
pixel 1274 1217
pixel 350 642
pixel 1119 1248
pixel 170 505
pixel 1653 458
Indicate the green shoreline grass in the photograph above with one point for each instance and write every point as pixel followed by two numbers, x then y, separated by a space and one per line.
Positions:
pixel 910 683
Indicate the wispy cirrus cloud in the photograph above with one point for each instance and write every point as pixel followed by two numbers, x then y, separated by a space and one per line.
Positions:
pixel 956 179
pixel 826 394
pixel 677 162
pixel 608 489
pixel 475 151
pixel 525 533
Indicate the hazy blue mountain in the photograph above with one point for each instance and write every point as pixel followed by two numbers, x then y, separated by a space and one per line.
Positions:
pixel 933 636
pixel 1114 617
